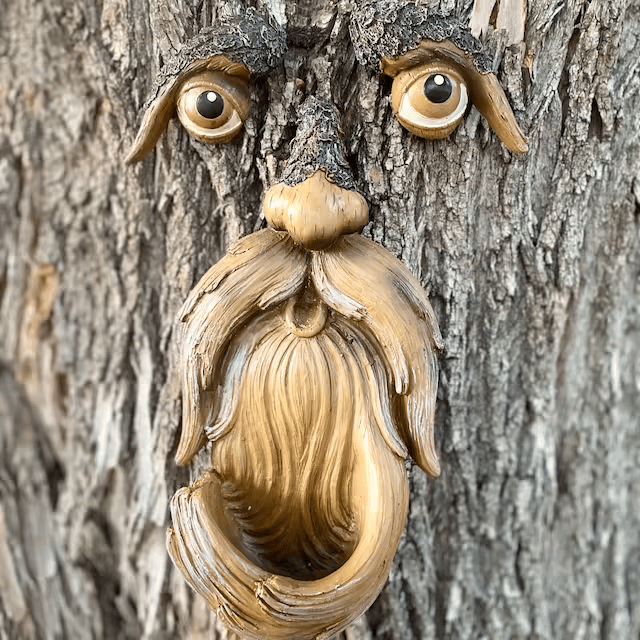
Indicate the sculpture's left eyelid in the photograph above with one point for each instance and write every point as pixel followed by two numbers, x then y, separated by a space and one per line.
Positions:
pixel 216 74
pixel 446 62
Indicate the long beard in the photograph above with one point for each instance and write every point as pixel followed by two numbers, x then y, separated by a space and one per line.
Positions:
pixel 287 458
pixel 282 410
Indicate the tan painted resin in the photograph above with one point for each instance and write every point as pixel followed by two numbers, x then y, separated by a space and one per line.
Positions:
pixel 296 210
pixel 484 89
pixel 235 94
pixel 313 374
pixel 233 81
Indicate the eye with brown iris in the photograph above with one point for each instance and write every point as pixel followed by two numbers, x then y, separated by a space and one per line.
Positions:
pixel 212 106
pixel 430 100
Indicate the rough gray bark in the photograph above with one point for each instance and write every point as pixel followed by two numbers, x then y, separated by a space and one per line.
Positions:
pixel 532 265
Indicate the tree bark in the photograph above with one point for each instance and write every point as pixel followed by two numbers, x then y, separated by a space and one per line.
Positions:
pixel 532 265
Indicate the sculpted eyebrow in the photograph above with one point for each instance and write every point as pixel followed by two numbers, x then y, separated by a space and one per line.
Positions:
pixel 249 45
pixel 394 37
pixel 255 41
pixel 390 28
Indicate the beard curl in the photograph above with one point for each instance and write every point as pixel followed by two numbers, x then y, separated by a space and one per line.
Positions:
pixel 310 429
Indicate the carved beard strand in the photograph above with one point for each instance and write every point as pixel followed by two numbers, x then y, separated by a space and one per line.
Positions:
pixel 287 457
pixel 297 422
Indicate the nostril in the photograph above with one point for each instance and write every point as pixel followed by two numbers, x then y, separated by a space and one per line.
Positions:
pixel 315 212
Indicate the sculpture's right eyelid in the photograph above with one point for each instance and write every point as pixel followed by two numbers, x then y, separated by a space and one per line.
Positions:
pixel 217 74
pixel 213 106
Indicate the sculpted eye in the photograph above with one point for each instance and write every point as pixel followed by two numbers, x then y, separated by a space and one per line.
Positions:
pixel 433 86
pixel 211 98
pixel 429 101
pixel 212 106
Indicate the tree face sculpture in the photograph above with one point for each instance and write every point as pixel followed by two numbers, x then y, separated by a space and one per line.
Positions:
pixel 308 351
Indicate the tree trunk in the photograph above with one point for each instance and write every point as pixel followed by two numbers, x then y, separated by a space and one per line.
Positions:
pixel 532 265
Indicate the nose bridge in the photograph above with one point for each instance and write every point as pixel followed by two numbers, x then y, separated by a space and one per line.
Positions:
pixel 318 145
pixel 317 199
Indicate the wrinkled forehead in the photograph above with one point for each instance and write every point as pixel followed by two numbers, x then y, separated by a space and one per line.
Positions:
pixel 391 28
pixel 379 29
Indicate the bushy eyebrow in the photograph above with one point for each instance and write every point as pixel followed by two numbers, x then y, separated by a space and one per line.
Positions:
pixel 253 40
pixel 390 28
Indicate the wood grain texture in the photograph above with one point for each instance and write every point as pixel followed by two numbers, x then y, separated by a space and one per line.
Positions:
pixel 532 265
pixel 512 16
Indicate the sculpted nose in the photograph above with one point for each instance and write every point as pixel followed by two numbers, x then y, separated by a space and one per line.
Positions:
pixel 315 212
pixel 316 200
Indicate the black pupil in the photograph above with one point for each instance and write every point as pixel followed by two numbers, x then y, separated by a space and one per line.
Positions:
pixel 210 104
pixel 437 88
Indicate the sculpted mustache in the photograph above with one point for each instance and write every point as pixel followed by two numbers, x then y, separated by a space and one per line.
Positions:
pixel 355 279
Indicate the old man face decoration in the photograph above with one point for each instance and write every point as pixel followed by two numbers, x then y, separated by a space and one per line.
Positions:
pixel 309 351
